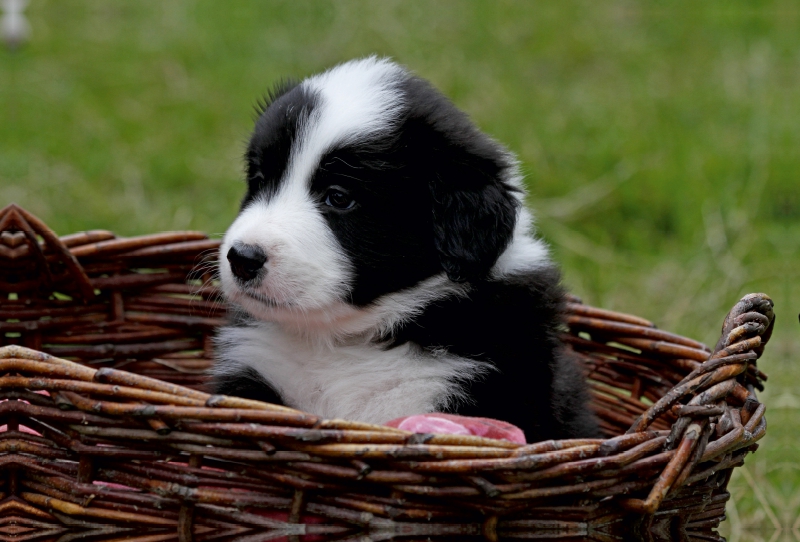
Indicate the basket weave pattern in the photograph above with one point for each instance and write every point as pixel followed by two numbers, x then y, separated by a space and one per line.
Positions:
pixel 92 446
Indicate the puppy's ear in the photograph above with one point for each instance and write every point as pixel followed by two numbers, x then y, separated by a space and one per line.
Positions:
pixel 474 212
pixel 474 207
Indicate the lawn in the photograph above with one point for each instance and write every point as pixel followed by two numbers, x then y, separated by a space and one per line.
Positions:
pixel 661 144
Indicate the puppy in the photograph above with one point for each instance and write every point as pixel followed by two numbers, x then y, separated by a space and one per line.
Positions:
pixel 383 264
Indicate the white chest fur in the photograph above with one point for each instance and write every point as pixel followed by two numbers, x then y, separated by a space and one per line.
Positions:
pixel 358 382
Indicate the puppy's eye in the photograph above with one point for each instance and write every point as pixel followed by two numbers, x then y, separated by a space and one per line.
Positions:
pixel 338 198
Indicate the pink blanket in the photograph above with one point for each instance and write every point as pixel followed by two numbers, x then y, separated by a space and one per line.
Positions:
pixel 459 425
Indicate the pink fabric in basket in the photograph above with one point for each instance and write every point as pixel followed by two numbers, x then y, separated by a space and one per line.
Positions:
pixel 452 424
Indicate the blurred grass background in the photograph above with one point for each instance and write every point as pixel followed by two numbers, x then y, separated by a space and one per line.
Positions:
pixel 661 144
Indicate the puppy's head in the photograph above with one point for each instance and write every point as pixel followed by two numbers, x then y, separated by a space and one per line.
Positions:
pixel 361 182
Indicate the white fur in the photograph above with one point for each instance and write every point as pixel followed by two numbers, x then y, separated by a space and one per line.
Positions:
pixel 524 253
pixel 356 382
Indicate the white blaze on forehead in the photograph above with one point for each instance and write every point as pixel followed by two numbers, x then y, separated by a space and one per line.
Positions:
pixel 354 102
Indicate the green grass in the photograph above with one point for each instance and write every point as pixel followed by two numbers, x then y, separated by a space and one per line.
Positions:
pixel 661 143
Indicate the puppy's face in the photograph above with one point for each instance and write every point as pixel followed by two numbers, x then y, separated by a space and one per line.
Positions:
pixel 363 181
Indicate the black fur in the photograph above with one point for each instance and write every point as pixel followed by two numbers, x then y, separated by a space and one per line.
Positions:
pixel 273 137
pixel 512 324
pixel 247 383
pixel 473 208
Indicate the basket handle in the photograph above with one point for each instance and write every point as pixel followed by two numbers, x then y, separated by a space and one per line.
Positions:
pixel 15 218
pixel 745 332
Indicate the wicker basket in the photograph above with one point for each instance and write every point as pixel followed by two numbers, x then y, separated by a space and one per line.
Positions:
pixel 145 454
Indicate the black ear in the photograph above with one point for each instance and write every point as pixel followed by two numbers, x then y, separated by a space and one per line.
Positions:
pixel 474 207
pixel 474 212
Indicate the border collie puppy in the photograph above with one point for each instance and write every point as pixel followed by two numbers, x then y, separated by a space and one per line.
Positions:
pixel 383 264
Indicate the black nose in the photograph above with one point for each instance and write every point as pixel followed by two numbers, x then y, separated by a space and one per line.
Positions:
pixel 246 260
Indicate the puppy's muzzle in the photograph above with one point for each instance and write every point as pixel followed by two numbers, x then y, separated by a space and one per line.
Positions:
pixel 246 261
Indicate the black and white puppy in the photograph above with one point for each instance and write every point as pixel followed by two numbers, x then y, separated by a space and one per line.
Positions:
pixel 383 264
